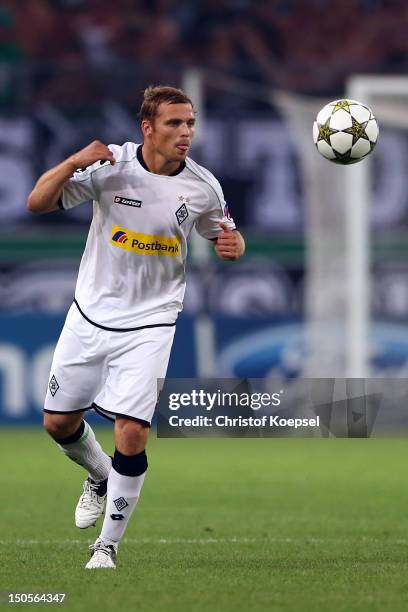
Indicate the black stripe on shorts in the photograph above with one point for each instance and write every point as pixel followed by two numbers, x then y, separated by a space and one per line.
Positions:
pixel 126 329
pixel 99 410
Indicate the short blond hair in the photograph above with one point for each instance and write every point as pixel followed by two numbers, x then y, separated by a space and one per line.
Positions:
pixel 153 96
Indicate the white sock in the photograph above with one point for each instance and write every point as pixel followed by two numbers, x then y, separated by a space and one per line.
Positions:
pixel 88 452
pixel 123 495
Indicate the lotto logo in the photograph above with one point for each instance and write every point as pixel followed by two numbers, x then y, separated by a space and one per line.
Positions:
pixel 128 202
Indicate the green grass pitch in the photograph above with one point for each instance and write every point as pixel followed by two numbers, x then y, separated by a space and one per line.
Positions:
pixel 222 525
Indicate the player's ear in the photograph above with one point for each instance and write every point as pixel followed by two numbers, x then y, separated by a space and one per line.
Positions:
pixel 146 127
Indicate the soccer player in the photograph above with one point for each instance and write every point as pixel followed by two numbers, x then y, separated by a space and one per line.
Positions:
pixel 118 333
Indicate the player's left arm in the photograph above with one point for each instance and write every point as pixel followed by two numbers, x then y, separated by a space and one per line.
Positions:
pixel 230 244
pixel 216 223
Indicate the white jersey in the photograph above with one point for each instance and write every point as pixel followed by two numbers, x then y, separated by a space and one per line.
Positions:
pixel 132 272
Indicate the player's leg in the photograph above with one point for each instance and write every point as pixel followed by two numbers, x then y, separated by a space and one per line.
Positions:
pixel 77 441
pixel 75 379
pixel 124 486
pixel 131 393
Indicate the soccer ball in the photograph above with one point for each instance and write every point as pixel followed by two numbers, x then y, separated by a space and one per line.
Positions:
pixel 345 131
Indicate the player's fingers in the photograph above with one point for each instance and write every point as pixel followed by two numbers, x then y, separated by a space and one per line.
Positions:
pixel 108 157
pixel 226 251
pixel 227 239
pixel 229 236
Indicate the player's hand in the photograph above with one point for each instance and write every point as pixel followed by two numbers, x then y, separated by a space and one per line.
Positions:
pixel 230 244
pixel 96 151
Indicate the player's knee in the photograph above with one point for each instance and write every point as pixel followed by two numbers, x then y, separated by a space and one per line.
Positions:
pixel 131 436
pixel 129 427
pixel 60 425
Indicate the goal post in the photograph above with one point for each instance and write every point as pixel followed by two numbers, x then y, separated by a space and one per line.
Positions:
pixel 376 92
pixel 338 202
pixel 337 229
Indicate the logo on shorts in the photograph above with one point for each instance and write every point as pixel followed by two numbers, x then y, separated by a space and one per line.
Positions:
pixel 182 212
pixel 120 237
pixel 145 244
pixel 127 202
pixel 120 503
pixel 53 385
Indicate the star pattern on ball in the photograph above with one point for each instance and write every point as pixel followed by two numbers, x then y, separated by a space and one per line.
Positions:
pixel 345 158
pixel 342 158
pixel 341 105
pixel 357 130
pixel 325 131
pixel 348 136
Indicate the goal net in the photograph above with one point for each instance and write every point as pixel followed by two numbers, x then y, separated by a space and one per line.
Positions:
pixel 355 220
pixel 349 228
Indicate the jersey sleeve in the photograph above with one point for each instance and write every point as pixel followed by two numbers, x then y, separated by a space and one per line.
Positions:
pixel 87 184
pixel 208 224
pixel 79 188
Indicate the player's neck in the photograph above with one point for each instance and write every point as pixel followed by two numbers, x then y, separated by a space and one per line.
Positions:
pixel 156 163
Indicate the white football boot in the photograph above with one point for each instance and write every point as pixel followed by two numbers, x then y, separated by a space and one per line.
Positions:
pixel 103 556
pixel 91 504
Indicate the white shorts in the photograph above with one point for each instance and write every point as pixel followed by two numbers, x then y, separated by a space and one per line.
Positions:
pixel 116 373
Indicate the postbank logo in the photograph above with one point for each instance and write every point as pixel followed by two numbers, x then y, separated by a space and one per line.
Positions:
pixel 145 244
pixel 120 237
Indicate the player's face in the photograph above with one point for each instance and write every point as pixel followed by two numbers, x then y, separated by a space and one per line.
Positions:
pixel 173 130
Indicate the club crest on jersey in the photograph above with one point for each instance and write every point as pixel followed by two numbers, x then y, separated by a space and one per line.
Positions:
pixel 182 212
pixel 127 202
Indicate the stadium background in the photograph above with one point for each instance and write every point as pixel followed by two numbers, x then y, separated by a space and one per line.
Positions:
pixel 223 524
pixel 78 75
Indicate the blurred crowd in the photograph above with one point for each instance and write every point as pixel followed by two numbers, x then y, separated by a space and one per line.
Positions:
pixel 306 46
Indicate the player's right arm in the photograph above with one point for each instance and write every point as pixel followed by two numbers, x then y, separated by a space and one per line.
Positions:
pixel 47 191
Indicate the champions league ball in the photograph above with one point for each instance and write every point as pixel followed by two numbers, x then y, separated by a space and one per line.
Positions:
pixel 345 131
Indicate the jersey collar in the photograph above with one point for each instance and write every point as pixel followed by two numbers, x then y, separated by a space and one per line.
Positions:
pixel 143 163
